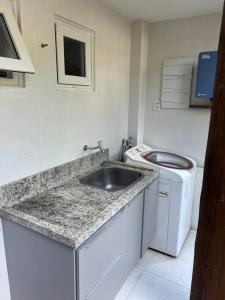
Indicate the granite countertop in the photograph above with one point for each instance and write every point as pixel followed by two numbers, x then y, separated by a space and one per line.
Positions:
pixel 71 212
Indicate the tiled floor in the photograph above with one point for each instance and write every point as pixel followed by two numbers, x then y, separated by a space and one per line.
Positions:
pixel 160 277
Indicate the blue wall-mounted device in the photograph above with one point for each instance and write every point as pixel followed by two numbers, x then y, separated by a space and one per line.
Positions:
pixel 206 75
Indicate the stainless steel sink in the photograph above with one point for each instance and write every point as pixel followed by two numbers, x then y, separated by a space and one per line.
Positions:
pixel 111 179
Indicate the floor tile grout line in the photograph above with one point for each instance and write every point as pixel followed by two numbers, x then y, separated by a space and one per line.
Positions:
pixel 145 270
pixel 136 281
pixel 164 278
pixel 139 277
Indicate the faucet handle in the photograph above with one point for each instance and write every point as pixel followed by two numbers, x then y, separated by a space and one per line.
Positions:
pixel 100 145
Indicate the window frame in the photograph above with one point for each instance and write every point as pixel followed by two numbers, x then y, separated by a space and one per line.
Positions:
pixel 24 64
pixel 77 32
pixel 17 81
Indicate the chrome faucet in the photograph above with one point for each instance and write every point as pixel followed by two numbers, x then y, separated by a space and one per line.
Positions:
pixel 100 147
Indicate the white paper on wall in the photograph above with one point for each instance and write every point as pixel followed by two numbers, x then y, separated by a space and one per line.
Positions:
pixel 176 83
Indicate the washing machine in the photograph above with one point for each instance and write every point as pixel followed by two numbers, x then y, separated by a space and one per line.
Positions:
pixel 175 195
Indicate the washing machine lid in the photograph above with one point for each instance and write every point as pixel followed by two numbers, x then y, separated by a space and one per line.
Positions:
pixel 168 160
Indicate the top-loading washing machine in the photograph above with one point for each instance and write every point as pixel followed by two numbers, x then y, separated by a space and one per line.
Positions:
pixel 175 195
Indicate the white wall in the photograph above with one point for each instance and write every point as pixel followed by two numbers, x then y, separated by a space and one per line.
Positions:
pixel 138 80
pixel 44 125
pixel 182 131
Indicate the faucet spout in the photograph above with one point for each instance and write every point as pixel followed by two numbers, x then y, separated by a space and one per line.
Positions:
pixel 99 146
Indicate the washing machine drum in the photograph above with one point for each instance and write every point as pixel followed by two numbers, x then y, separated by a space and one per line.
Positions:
pixel 168 160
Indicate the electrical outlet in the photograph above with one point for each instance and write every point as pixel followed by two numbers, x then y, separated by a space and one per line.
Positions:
pixel 156 106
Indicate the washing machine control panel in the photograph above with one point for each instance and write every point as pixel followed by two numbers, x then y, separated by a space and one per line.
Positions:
pixel 134 153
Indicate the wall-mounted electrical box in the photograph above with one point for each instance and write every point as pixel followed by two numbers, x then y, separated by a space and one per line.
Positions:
pixel 206 75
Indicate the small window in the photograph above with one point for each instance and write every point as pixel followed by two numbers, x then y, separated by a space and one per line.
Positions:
pixel 7 48
pixel 6 74
pixel 74 45
pixel 11 79
pixel 74 57
pixel 13 53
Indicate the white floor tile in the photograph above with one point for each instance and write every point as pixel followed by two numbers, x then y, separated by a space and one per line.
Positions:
pixel 152 287
pixel 159 277
pixel 133 278
pixel 178 270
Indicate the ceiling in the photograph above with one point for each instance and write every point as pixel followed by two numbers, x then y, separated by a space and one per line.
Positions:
pixel 161 10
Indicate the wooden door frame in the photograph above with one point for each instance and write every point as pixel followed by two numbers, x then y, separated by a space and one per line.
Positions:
pixel 208 282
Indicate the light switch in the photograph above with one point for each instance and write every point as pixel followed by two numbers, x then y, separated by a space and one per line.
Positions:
pixel 156 106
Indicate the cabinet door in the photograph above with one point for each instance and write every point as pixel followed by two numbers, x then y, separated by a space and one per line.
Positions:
pixel 101 261
pixel 150 215
pixel 133 235
pixel 107 258
pixel 39 268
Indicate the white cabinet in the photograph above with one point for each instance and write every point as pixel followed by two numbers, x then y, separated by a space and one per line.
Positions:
pixel 4 282
pixel 150 215
pixel 101 260
pixel 133 234
pixel 107 258
pixel 41 268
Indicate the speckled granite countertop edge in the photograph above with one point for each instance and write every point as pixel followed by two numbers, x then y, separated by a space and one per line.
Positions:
pixel 76 238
